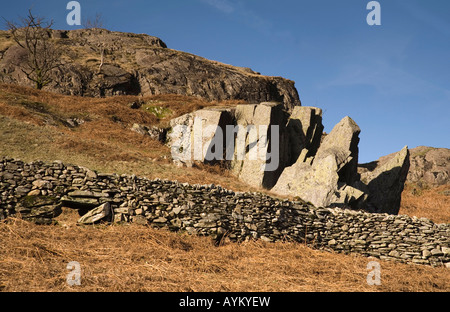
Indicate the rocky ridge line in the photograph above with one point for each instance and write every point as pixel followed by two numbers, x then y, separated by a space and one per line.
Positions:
pixel 139 64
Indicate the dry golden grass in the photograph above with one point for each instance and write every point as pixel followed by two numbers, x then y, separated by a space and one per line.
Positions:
pixel 139 258
pixel 31 131
pixel 129 258
pixel 429 202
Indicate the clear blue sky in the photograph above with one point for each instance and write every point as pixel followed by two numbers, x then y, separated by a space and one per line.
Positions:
pixel 392 79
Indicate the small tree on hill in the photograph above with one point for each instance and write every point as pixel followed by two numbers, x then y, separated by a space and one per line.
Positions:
pixel 96 22
pixel 33 35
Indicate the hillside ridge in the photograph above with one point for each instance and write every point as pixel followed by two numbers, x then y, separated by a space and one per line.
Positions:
pixel 99 62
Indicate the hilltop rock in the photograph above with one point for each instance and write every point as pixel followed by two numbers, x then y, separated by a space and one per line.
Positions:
pixel 429 166
pixel 140 64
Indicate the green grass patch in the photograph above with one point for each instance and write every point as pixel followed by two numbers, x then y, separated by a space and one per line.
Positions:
pixel 159 111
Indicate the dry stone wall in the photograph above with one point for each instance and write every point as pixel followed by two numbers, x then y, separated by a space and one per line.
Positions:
pixel 38 190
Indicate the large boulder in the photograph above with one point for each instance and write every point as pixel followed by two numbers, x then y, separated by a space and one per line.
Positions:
pixel 200 136
pixel 342 142
pixel 261 150
pixel 305 131
pixel 325 180
pixel 385 180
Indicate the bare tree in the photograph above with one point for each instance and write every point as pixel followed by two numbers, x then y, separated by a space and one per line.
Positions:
pixel 96 22
pixel 102 56
pixel 33 34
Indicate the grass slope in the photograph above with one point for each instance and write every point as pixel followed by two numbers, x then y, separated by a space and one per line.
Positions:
pixel 33 125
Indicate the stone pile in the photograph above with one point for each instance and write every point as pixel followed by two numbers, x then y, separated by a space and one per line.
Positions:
pixel 37 191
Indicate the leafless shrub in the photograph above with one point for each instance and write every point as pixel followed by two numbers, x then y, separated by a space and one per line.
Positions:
pixel 32 34
pixel 96 22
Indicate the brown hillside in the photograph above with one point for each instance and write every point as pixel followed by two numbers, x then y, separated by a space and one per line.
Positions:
pixel 130 258
pixel 34 125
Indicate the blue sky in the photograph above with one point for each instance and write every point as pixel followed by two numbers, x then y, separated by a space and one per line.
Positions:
pixel 392 79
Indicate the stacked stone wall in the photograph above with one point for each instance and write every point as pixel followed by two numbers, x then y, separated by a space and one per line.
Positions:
pixel 37 191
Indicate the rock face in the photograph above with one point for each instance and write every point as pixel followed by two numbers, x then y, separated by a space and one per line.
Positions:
pixel 429 166
pixel 326 179
pixel 305 132
pixel 295 160
pixel 385 180
pixel 261 144
pixel 200 136
pixel 141 64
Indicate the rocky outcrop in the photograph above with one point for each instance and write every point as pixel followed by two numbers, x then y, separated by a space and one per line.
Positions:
pixel 385 180
pixel 140 64
pixel 260 149
pixel 429 166
pixel 305 132
pixel 325 180
pixel 200 136
pixel 251 140
pixel 225 214
pixel 296 160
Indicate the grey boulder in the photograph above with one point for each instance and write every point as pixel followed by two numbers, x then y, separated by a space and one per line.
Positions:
pixel 102 212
